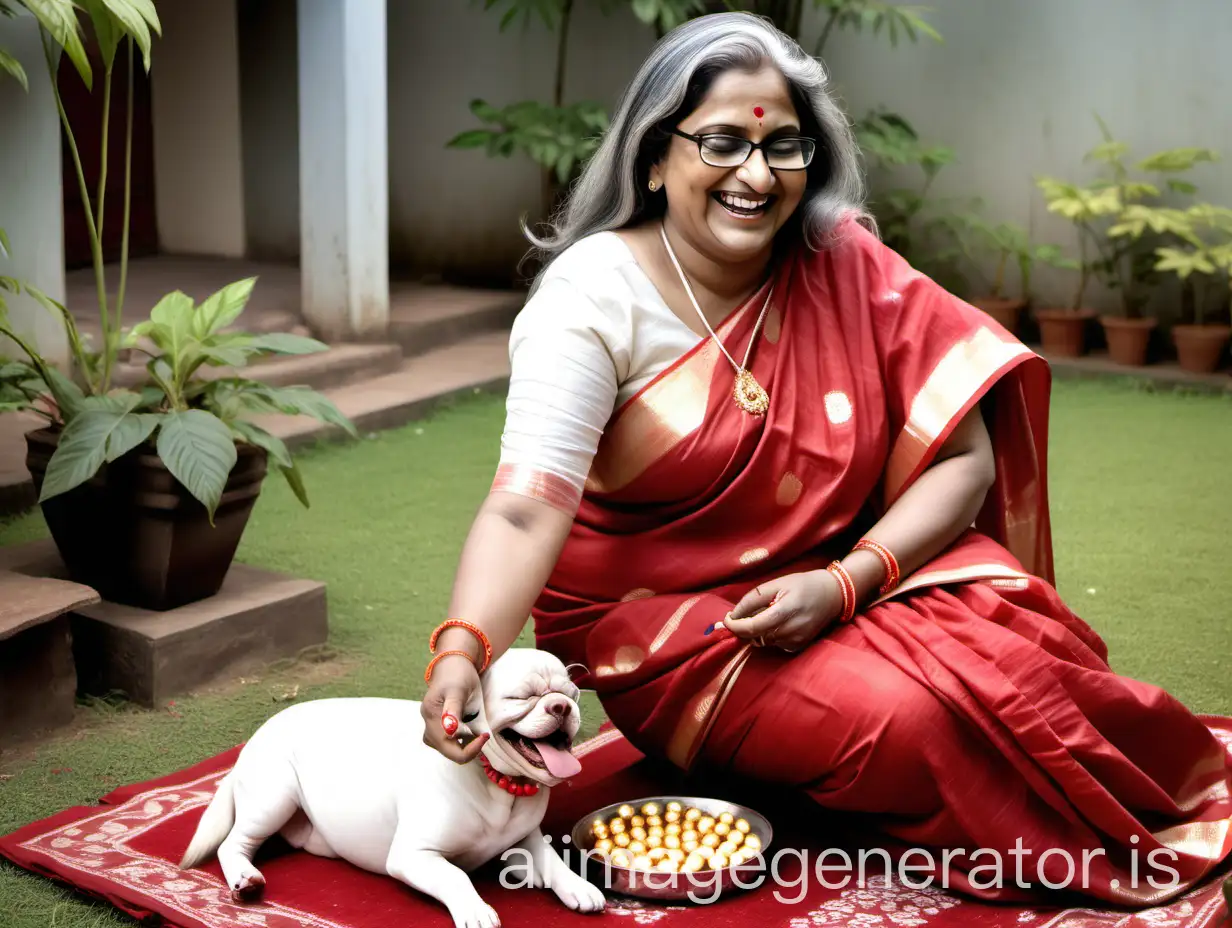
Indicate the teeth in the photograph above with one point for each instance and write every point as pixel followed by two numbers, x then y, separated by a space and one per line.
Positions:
pixel 742 202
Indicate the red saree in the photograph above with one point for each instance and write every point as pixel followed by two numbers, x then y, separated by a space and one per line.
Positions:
pixel 970 709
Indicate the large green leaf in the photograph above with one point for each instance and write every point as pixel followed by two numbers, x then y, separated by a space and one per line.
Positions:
pixel 277 449
pixel 222 308
pixel 198 449
pixel 67 394
pixel 107 30
pixel 5 248
pixel 171 323
pixel 285 343
pixel 13 66
pixel 86 443
pixel 304 401
pixel 59 18
pixel 132 22
pixel 130 432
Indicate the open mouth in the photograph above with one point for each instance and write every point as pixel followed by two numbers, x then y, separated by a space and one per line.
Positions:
pixel 552 753
pixel 743 207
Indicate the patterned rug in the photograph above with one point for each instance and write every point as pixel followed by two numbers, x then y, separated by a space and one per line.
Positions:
pixel 125 851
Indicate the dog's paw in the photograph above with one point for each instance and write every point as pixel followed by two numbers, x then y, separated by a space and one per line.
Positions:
pixel 249 888
pixel 477 914
pixel 579 894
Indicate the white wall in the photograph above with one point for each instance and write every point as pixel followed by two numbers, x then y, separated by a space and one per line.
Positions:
pixel 198 172
pixel 30 191
pixel 458 210
pixel 1013 89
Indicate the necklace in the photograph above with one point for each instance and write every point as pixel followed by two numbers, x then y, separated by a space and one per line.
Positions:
pixel 747 392
pixel 514 785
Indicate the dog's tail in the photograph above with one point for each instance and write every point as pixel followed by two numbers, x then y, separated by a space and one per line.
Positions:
pixel 215 825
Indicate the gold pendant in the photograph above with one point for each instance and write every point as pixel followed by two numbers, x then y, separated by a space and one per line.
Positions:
pixel 750 395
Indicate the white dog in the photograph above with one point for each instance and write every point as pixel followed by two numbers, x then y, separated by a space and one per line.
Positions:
pixel 352 778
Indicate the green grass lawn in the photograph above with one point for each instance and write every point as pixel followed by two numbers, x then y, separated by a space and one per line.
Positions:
pixel 1142 501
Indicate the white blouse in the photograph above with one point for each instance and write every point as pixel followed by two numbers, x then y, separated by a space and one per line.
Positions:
pixel 593 334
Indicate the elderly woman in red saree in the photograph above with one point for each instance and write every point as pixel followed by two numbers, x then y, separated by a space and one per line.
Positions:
pixel 785 500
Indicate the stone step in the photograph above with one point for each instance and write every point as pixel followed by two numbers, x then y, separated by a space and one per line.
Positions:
pixel 387 400
pixel 38 678
pixel 423 318
pixel 476 364
pixel 335 367
pixel 258 616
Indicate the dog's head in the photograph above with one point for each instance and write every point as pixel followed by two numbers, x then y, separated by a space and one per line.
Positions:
pixel 530 707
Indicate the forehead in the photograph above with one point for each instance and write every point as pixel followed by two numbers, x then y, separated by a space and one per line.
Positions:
pixel 735 92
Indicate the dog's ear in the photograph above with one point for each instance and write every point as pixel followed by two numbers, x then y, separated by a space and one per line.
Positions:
pixel 570 668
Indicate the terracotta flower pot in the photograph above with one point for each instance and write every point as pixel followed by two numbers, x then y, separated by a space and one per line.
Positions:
pixel 1063 331
pixel 136 535
pixel 1006 312
pixel 1200 347
pixel 1128 339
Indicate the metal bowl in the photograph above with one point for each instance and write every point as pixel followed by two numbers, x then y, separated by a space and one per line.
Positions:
pixel 703 886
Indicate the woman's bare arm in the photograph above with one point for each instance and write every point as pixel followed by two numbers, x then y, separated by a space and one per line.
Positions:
pixel 935 511
pixel 509 554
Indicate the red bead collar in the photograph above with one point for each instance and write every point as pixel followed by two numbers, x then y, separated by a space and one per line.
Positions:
pixel 515 785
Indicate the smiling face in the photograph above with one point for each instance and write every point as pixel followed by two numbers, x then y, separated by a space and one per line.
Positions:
pixel 732 214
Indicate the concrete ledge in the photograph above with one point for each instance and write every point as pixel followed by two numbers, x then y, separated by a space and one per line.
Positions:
pixel 475 365
pixel 1165 376
pixel 336 367
pixel 258 617
pixel 38 680
pixel 424 319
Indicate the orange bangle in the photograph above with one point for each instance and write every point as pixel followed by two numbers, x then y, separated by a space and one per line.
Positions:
pixel 432 663
pixel 887 559
pixel 470 627
pixel 848 587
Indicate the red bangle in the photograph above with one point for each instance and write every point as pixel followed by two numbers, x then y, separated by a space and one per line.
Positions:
pixel 887 559
pixel 432 663
pixel 848 587
pixel 470 627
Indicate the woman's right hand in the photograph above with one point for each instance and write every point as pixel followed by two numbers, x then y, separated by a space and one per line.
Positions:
pixel 454 681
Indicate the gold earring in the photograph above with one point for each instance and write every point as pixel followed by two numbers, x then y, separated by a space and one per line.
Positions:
pixel 653 186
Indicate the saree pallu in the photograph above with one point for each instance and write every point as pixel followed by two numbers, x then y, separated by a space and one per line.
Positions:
pixel 967 709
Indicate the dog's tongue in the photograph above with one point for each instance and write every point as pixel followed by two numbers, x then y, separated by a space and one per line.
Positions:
pixel 560 763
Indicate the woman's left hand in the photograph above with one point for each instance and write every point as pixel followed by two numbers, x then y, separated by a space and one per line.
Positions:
pixel 796 610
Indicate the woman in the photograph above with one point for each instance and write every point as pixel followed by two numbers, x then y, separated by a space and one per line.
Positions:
pixel 774 489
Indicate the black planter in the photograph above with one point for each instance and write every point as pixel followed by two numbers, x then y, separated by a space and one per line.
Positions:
pixel 136 535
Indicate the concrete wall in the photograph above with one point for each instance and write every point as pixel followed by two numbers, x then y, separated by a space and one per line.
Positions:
pixel 1014 86
pixel 458 210
pixel 199 184
pixel 269 106
pixel 1012 90
pixel 30 192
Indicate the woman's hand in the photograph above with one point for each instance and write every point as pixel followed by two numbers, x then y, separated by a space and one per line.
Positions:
pixel 454 681
pixel 796 610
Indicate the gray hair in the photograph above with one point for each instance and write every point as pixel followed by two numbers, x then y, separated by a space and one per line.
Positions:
pixel 611 192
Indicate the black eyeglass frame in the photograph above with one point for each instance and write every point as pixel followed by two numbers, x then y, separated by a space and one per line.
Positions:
pixel 752 147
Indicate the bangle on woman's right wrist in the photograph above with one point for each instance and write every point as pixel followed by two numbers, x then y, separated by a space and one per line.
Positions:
pixel 432 663
pixel 474 630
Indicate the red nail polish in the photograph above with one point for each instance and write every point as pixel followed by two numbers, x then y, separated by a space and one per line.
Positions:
pixel 449 723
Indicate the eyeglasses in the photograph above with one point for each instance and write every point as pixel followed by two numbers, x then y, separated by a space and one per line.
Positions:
pixel 729 151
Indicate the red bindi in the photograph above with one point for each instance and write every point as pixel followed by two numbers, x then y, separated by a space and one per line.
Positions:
pixel 758 112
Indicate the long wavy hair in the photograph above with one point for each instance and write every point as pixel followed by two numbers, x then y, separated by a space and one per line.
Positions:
pixel 612 190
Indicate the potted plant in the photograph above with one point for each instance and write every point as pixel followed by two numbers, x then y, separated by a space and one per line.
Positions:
pixel 1114 245
pixel 1200 343
pixel 146 492
pixel 1009 242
